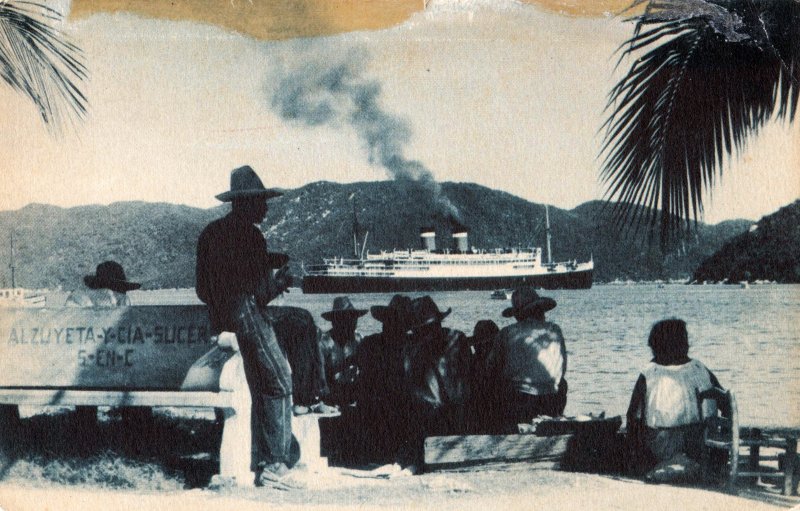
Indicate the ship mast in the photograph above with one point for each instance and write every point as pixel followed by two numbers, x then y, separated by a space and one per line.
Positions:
pixel 355 229
pixel 358 252
pixel 13 282
pixel 547 230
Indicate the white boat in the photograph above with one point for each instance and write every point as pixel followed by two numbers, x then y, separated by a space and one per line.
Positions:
pixel 19 297
pixel 502 294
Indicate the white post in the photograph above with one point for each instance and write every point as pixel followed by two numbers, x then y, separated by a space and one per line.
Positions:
pixel 306 429
pixel 235 449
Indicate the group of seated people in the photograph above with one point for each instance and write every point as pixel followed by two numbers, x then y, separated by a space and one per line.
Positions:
pixel 417 378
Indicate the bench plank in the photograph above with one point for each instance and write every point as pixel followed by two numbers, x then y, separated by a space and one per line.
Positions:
pixel 55 397
pixel 441 450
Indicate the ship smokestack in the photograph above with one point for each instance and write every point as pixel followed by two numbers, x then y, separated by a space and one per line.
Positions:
pixel 461 241
pixel 428 237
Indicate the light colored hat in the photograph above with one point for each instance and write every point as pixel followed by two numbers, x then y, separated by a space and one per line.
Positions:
pixel 246 183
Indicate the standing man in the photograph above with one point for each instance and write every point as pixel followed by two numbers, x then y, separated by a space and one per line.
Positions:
pixel 234 278
pixel 528 361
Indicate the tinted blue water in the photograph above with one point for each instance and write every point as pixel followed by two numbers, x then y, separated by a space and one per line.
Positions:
pixel 750 338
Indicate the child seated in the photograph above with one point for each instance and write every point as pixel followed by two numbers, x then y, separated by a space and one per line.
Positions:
pixel 664 422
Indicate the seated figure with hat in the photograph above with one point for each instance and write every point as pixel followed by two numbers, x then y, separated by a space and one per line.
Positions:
pixel 437 372
pixel 483 337
pixel 107 287
pixel 528 362
pixel 382 403
pixel 338 346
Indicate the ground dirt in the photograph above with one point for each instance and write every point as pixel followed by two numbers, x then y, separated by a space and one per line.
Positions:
pixel 152 463
pixel 516 487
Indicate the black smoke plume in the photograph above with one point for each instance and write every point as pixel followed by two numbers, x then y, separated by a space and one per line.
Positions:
pixel 338 94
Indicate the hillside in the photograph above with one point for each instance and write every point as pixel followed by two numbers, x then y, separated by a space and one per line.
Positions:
pixel 155 242
pixel 769 251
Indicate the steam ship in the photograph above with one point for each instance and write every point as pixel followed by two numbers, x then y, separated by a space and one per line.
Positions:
pixel 452 269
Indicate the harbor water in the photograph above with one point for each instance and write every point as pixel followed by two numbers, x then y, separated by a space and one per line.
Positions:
pixel 750 338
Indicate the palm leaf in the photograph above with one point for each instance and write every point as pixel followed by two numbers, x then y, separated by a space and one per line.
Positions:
pixel 707 75
pixel 38 61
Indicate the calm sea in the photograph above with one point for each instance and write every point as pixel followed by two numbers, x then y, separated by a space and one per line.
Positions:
pixel 750 338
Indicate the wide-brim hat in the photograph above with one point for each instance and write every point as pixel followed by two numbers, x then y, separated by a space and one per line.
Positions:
pixel 399 309
pixel 425 311
pixel 246 183
pixel 342 306
pixel 276 260
pixel 526 299
pixel 110 275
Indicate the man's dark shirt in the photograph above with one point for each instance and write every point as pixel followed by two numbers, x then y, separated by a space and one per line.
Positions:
pixel 380 363
pixel 231 266
pixel 438 370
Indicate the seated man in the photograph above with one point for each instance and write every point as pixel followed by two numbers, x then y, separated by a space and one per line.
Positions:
pixel 528 361
pixel 338 347
pixel 107 288
pixel 382 404
pixel 298 336
pixel 663 419
pixel 481 342
pixel 437 372
pixel 379 356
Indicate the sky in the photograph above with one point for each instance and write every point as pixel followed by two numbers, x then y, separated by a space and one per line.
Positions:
pixel 506 94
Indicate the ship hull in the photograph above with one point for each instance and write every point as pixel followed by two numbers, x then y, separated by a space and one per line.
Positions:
pixel 319 284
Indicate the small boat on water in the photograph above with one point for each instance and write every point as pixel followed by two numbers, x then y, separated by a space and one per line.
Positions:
pixel 502 294
pixel 460 267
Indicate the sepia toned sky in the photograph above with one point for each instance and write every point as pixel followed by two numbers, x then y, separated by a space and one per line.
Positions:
pixel 504 93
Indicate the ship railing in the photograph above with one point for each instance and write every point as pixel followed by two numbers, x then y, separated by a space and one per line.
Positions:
pixel 350 273
pixel 435 257
pixel 565 266
pixel 341 260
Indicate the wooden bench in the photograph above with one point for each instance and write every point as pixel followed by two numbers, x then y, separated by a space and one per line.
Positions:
pixel 147 356
pixel 590 446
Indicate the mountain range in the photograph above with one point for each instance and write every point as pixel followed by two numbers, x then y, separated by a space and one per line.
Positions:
pixel 769 250
pixel 155 242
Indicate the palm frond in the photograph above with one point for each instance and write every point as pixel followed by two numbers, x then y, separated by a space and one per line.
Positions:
pixel 702 82
pixel 39 62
